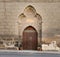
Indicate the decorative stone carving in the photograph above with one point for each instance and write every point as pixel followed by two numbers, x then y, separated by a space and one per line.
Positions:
pixel 21 16
pixel 30 17
pixel 30 11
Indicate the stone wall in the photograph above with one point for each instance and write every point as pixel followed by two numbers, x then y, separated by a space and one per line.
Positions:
pixel 30 0
pixel 10 11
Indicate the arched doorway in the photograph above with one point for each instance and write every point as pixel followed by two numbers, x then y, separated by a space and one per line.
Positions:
pixel 30 38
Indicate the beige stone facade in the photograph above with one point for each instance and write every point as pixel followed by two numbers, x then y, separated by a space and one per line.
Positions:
pixel 30 0
pixel 14 17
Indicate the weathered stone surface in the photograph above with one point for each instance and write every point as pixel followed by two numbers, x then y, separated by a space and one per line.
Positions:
pixel 10 12
pixel 29 0
pixel 9 15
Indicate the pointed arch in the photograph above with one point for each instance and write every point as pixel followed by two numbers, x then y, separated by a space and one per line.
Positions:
pixel 30 38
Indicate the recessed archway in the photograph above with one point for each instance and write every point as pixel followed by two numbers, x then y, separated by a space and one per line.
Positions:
pixel 27 21
pixel 30 38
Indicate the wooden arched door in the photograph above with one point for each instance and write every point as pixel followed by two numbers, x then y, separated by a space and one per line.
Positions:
pixel 29 38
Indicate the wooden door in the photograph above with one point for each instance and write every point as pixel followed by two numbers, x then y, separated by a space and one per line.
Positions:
pixel 29 39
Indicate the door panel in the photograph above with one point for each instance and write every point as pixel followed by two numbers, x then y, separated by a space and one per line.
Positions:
pixel 30 39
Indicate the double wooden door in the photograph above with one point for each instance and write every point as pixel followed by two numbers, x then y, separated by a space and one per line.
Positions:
pixel 29 39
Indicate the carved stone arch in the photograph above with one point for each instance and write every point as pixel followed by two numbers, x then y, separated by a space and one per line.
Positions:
pixel 30 19
pixel 21 16
pixel 29 10
pixel 38 16
pixel 30 26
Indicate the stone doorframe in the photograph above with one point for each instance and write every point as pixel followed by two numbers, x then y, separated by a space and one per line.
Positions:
pixel 30 17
